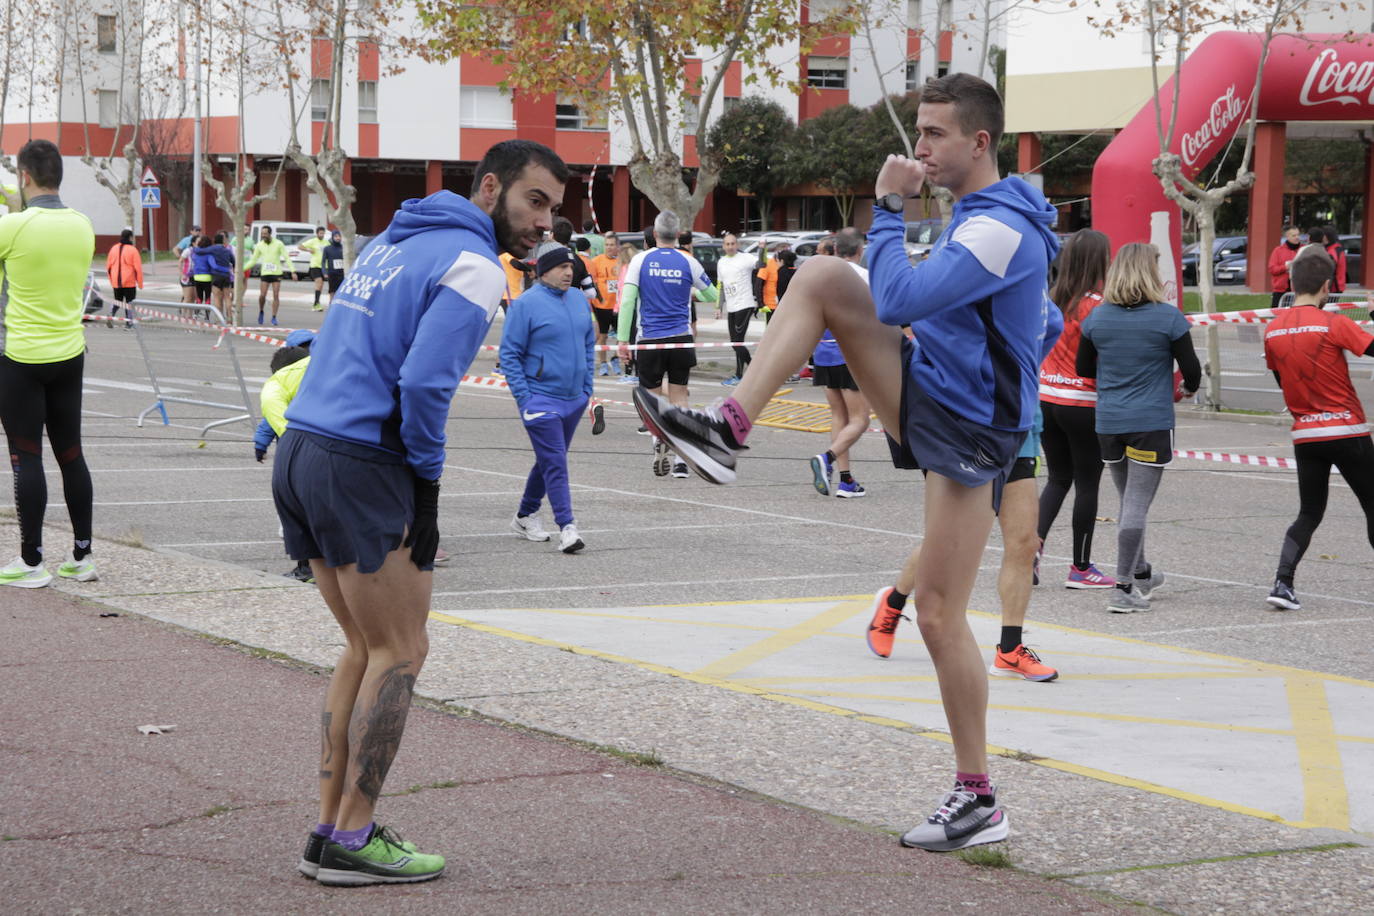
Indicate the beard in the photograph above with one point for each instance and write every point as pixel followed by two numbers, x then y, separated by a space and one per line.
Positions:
pixel 506 236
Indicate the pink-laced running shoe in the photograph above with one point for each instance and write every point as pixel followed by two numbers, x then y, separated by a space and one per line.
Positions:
pixel 1088 578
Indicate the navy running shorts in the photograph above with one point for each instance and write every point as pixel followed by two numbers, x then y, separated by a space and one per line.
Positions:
pixel 341 501
pixel 934 438
pixel 1155 448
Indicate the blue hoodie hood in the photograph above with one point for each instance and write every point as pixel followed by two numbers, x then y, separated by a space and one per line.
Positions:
pixel 1020 197
pixel 440 210
pixel 403 327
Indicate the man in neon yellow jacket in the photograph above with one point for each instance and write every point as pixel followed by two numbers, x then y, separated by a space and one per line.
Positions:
pixel 316 248
pixel 270 256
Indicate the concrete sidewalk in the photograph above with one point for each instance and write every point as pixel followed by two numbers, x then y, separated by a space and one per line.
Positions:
pixel 97 817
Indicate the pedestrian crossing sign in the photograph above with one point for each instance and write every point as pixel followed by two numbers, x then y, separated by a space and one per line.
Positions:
pixel 150 197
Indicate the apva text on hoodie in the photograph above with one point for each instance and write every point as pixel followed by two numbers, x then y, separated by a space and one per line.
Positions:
pixel 401 331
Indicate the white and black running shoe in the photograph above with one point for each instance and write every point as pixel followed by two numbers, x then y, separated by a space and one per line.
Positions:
pixel 959 821
pixel 702 438
pixel 1283 597
pixel 663 459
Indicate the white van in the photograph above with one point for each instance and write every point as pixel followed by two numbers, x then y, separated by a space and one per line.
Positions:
pixel 291 235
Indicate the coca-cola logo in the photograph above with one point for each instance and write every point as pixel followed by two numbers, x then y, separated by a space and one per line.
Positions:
pixel 1328 80
pixel 1225 111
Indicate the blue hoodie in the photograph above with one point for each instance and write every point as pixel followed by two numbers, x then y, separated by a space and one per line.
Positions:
pixel 402 330
pixel 979 305
pixel 548 344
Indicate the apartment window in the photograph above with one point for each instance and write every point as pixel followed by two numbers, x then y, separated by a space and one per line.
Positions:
pixel 108 111
pixel 485 106
pixel 691 113
pixel 367 101
pixel 730 102
pixel 570 114
pixel 946 15
pixel 913 14
pixel 579 31
pixel 823 8
pixel 913 76
pixel 321 97
pixel 827 72
pixel 105 33
pixel 942 69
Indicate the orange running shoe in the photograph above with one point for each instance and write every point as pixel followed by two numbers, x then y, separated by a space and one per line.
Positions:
pixel 882 629
pixel 1021 662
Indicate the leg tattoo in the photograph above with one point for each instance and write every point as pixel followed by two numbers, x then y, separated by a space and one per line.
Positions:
pixel 379 735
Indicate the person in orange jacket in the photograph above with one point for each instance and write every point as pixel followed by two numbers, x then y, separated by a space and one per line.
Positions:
pixel 124 267
pixel 768 274
pixel 1279 259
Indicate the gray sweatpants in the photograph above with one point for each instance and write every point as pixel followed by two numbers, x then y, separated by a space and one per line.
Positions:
pixel 1136 485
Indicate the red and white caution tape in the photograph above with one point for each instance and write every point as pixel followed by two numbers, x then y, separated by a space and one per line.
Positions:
pixel 1264 461
pixel 691 345
pixel 1260 316
pixel 220 329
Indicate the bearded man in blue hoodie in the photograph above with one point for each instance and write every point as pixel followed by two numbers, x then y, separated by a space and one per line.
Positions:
pixel 548 352
pixel 356 476
pixel 956 402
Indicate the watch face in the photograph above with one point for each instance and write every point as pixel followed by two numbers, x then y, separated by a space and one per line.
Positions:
pixel 893 202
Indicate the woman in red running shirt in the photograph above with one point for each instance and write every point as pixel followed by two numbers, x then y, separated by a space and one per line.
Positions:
pixel 1069 404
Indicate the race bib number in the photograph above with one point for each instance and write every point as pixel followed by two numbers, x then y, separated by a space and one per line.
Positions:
pixel 336 264
pixel 612 286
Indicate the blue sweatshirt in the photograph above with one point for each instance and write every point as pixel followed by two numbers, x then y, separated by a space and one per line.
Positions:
pixel 978 305
pixel 402 330
pixel 548 344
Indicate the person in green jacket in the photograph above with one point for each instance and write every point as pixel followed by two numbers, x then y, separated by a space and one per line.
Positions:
pixel 316 248
pixel 45 254
pixel 270 256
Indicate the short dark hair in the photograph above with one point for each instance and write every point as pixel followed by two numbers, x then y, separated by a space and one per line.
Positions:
pixel 562 230
pixel 684 239
pixel 507 160
pixel 975 101
pixel 219 238
pixel 588 225
pixel 582 244
pixel 204 241
pixel 288 355
pixel 787 257
pixel 126 236
pixel 1310 271
pixel 848 242
pixel 1317 234
pixel 42 160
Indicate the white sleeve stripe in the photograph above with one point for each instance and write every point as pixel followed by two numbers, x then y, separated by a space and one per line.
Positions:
pixel 992 242
pixel 476 279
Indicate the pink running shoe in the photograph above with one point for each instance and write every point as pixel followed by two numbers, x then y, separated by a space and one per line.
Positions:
pixel 1088 578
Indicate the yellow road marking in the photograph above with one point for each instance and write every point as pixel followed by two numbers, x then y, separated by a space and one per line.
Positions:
pixel 783 640
pixel 1325 801
pixel 926 678
pixel 1064 766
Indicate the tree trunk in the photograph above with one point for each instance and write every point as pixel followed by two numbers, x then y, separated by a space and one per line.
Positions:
pixel 1205 213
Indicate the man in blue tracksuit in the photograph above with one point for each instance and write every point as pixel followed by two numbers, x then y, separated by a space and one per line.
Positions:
pixel 957 402
pixel 548 352
pixel 356 475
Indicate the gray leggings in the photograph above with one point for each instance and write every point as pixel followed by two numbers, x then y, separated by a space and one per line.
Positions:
pixel 1136 485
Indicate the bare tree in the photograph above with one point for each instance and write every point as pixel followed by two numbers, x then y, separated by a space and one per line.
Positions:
pixel 237 196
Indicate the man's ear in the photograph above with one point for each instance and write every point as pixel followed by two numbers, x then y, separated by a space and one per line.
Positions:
pixel 489 189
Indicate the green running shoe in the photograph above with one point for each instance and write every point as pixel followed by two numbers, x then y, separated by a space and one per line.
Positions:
pixel 80 570
pixel 21 575
pixel 386 859
pixel 309 864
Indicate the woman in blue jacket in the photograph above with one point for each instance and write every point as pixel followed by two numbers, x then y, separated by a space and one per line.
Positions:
pixel 548 354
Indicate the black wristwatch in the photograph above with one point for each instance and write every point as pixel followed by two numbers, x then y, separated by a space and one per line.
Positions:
pixel 893 203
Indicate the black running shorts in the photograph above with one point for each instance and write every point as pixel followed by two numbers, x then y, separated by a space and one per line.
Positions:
pixel 1155 448
pixel 676 364
pixel 341 501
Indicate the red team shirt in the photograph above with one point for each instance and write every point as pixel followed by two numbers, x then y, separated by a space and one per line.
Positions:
pixel 1304 345
pixel 1060 382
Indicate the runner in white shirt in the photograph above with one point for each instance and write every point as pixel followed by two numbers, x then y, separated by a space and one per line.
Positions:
pixel 735 271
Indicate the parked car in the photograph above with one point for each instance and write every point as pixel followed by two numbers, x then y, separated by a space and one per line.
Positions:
pixel 708 252
pixel 1222 247
pixel 1230 270
pixel 291 235
pixel 921 236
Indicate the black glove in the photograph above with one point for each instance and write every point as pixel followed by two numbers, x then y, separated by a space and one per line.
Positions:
pixel 259 453
pixel 423 538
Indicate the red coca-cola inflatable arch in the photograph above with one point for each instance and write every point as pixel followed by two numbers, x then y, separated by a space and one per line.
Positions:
pixel 1306 78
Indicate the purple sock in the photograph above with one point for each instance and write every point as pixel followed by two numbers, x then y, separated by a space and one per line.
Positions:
pixel 736 417
pixel 324 830
pixel 353 839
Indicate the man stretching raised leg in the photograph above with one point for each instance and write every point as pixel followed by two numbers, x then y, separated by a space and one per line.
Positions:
pixel 957 400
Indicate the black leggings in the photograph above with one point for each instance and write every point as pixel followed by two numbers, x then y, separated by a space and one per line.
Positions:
pixel 33 396
pixel 1072 458
pixel 1354 458
pixel 738 322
